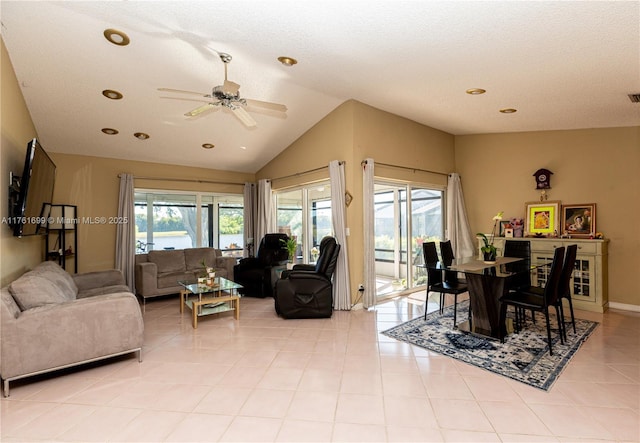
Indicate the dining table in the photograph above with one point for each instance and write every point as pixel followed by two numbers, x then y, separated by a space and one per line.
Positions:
pixel 487 282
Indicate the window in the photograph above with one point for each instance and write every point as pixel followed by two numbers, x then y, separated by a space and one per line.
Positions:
pixel 305 214
pixel 178 220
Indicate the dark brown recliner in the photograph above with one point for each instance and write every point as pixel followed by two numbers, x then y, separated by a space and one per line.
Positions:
pixel 307 290
pixel 258 274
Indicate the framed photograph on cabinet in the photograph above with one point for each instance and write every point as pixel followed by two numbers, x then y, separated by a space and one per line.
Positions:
pixel 504 225
pixel 543 218
pixel 579 221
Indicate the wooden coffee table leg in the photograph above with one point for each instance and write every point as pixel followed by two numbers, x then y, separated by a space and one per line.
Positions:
pixel 237 308
pixel 195 308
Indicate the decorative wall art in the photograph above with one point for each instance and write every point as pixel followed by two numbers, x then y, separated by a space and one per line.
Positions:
pixel 542 219
pixel 579 221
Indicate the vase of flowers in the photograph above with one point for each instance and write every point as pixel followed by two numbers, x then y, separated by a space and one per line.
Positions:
pixel 488 249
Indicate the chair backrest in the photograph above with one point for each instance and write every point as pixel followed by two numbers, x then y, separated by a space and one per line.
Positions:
pixel 564 289
pixel 446 250
pixel 434 276
pixel 517 249
pixel 553 279
pixel 272 250
pixel 328 258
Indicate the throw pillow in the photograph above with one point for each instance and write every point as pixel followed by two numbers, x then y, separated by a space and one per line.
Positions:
pixel 33 290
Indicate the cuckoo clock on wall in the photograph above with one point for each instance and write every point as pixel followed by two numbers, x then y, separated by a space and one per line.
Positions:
pixel 543 178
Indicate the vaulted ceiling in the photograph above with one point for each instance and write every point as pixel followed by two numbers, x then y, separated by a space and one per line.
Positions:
pixel 560 65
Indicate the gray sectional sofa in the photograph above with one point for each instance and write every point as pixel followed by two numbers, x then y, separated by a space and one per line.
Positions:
pixel 53 320
pixel 158 272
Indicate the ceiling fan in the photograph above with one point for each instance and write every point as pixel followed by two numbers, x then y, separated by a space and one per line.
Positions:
pixel 226 95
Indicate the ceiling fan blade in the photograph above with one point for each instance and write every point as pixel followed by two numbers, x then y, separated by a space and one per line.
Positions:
pixel 266 105
pixel 230 87
pixel 203 99
pixel 180 91
pixel 199 110
pixel 244 116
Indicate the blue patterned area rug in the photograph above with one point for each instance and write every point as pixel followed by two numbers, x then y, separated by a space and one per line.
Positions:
pixel 523 357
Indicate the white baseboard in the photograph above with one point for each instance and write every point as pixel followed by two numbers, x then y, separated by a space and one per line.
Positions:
pixel 357 307
pixel 624 306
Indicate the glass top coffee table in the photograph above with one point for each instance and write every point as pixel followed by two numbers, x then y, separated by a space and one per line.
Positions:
pixel 206 299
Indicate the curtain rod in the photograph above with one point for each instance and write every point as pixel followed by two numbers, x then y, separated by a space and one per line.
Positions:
pixel 364 162
pixel 304 172
pixel 189 180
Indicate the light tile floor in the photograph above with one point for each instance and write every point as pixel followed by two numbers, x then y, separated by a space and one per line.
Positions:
pixel 266 379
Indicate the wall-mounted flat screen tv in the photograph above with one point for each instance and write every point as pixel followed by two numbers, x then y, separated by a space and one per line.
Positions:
pixel 35 192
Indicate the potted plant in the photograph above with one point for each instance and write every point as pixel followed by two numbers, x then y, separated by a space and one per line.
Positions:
pixel 489 250
pixel 291 246
pixel 207 274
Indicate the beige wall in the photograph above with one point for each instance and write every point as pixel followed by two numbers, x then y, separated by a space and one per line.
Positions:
pixel 93 185
pixel 589 166
pixel 355 131
pixel 17 255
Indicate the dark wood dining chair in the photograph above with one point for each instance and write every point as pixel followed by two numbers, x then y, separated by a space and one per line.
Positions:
pixel 518 249
pixel 537 298
pixel 564 287
pixel 436 282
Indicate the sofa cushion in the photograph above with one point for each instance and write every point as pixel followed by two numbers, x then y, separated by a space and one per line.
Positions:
pixel 168 261
pixel 171 279
pixel 9 303
pixel 103 290
pixel 33 290
pixel 59 277
pixel 193 258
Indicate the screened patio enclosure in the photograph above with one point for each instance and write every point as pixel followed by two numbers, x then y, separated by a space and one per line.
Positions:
pixel 405 216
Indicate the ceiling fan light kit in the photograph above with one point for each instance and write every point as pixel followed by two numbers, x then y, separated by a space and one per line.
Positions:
pixel 226 95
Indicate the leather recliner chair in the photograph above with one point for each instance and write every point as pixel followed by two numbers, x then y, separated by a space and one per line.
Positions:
pixel 307 290
pixel 258 274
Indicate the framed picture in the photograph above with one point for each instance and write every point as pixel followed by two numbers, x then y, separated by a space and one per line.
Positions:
pixel 504 225
pixel 579 221
pixel 543 218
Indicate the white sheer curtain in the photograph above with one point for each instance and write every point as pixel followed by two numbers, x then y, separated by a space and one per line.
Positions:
pixel 265 222
pixel 368 208
pixel 458 230
pixel 341 289
pixel 125 232
pixel 249 216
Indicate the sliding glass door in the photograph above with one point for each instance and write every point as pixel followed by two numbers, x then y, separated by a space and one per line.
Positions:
pixel 405 216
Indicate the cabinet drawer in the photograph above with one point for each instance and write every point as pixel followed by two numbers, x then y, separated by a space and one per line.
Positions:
pixel 585 248
pixel 545 246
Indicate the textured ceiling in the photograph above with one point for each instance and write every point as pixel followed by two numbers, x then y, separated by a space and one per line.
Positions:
pixel 562 65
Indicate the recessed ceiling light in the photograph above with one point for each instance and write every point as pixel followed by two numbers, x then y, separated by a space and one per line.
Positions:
pixel 287 61
pixel 208 146
pixel 508 110
pixel 243 148
pixel 476 91
pixel 116 37
pixel 109 131
pixel 141 135
pixel 113 95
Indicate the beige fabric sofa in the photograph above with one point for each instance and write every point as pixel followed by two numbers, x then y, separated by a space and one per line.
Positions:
pixel 53 320
pixel 158 272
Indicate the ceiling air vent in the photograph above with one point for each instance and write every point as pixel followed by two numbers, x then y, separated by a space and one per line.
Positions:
pixel 634 98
